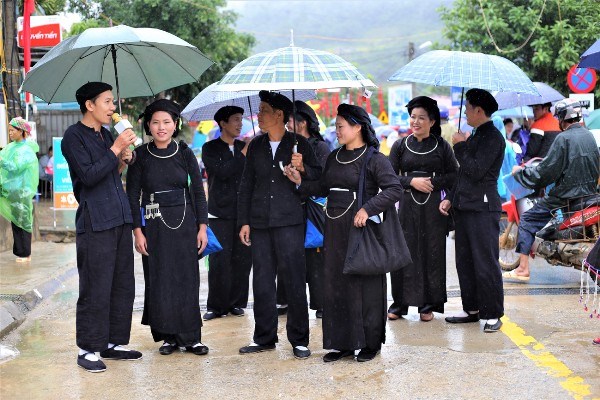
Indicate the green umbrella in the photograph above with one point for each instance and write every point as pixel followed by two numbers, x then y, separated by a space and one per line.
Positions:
pixel 593 120
pixel 136 61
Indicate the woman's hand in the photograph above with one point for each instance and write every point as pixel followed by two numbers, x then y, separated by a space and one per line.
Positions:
pixel 141 246
pixel 422 184
pixel 445 206
pixel 202 238
pixel 361 217
pixel 293 174
pixel 245 235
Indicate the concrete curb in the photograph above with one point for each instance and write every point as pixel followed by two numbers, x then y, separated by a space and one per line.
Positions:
pixel 14 308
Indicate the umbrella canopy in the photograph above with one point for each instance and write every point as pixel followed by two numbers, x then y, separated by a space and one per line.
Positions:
pixel 593 120
pixel 467 70
pixel 292 67
pixel 517 112
pixel 512 99
pixel 208 102
pixel 591 57
pixel 135 61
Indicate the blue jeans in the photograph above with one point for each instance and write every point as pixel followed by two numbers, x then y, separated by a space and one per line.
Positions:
pixel 532 221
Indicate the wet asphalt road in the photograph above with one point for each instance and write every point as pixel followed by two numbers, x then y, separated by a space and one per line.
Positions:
pixel 544 351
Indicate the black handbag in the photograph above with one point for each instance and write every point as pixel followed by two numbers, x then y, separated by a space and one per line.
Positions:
pixel 377 248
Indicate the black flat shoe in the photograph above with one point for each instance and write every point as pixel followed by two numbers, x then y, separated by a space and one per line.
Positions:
pixel 167 348
pixel 211 315
pixel 337 355
pixel 366 355
pixel 492 328
pixel 257 348
pixel 301 352
pixel 200 350
pixel 238 312
pixel 463 320
pixel 90 365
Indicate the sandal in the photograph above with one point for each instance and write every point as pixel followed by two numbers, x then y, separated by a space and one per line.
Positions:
pixel 426 317
pixel 513 275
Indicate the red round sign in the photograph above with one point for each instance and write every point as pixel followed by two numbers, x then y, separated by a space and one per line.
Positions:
pixel 581 80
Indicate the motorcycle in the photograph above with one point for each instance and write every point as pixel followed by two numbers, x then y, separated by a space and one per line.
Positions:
pixel 566 240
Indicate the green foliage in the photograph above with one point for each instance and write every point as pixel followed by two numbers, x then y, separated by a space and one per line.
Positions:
pixel 566 29
pixel 202 23
pixel 48 7
pixel 79 27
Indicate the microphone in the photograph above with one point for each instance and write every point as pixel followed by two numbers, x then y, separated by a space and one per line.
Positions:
pixel 121 124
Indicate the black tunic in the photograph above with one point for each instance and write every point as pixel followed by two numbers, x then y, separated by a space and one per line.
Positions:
pixel 354 306
pixel 423 284
pixel 171 273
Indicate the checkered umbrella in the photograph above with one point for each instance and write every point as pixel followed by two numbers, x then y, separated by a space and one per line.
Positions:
pixel 466 70
pixel 292 67
pixel 208 102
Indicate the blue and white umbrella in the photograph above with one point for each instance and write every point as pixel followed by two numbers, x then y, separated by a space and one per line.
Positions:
pixel 517 112
pixel 512 99
pixel 292 67
pixel 466 70
pixel 591 57
pixel 208 102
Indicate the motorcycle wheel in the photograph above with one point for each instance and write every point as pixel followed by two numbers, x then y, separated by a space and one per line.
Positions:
pixel 508 258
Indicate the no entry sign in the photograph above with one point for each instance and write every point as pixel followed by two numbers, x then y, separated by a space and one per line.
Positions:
pixel 581 80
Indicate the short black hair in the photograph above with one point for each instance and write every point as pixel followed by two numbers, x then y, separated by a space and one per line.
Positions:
pixel 507 121
pixel 483 99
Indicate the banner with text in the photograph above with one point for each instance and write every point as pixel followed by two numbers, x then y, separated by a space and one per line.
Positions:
pixel 64 198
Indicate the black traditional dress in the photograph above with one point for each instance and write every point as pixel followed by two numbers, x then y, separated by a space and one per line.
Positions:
pixel 354 306
pixel 171 272
pixel 423 284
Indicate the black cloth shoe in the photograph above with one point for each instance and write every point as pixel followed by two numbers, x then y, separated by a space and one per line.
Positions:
pixel 121 355
pixel 463 320
pixel 90 366
pixel 319 314
pixel 492 328
pixel 256 348
pixel 167 348
pixel 301 352
pixel 211 315
pixel 198 350
pixel 238 312
pixel 337 355
pixel 366 355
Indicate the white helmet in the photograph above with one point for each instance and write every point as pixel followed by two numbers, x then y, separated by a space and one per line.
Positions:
pixel 568 109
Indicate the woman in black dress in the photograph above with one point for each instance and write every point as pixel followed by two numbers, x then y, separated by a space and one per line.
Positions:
pixel 354 306
pixel 175 218
pixel 427 169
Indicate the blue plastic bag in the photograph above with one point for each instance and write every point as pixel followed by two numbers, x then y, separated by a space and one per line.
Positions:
pixel 213 245
pixel 517 190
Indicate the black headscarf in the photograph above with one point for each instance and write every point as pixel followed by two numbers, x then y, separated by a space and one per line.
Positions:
pixel 306 113
pixel 224 113
pixel 358 115
pixel 429 105
pixel 277 101
pixel 90 90
pixel 162 105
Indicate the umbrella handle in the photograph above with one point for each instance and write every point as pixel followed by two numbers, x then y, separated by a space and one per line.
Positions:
pixel 113 51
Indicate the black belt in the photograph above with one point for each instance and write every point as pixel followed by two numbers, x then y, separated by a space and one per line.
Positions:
pixel 419 174
pixel 167 198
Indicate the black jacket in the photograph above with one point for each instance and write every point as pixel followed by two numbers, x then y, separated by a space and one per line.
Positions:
pixel 224 170
pixel 266 197
pixel 97 184
pixel 480 158
pixel 572 163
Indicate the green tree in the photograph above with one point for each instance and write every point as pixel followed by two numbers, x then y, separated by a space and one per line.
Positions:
pixel 205 24
pixel 545 50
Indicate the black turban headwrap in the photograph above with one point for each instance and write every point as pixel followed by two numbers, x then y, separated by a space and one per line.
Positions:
pixel 162 105
pixel 277 101
pixel 89 91
pixel 308 114
pixel 433 111
pixel 359 116
pixel 482 98
pixel 224 113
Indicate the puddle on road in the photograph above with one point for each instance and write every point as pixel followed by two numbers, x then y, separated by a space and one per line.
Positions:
pixel 7 353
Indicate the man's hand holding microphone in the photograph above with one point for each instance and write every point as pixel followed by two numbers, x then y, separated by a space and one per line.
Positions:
pixel 126 138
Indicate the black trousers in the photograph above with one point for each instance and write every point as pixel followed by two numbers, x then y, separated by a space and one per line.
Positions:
pixel 229 269
pixel 479 273
pixel 106 286
pixel 314 279
pixel 21 241
pixel 279 249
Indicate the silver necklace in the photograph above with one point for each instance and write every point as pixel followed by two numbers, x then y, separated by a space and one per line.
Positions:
pixel 351 161
pixel 416 152
pixel 169 156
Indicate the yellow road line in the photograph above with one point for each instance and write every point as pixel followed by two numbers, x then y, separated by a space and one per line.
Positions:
pixel 545 360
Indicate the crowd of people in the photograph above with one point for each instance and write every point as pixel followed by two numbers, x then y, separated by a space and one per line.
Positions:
pixel 257 205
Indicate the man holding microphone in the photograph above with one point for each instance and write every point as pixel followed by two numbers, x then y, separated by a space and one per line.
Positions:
pixel 103 227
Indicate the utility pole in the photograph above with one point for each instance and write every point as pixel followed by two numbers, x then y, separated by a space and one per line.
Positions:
pixel 11 78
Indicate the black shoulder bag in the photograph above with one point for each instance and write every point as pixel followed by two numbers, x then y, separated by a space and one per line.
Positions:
pixel 377 248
